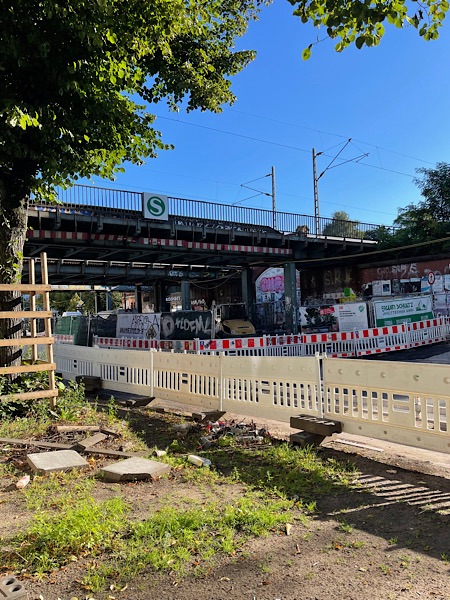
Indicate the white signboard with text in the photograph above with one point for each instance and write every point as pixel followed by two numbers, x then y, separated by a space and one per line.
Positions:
pixel 139 326
pixel 352 316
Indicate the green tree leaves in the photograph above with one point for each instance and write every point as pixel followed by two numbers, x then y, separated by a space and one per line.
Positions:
pixel 75 76
pixel 361 22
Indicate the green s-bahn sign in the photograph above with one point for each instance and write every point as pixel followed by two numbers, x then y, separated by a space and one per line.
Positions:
pixel 155 206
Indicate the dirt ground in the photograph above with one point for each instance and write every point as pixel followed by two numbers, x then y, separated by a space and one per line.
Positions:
pixel 395 543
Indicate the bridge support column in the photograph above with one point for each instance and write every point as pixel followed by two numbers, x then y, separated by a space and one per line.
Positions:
pixel 160 297
pixel 290 298
pixel 97 302
pixel 185 295
pixel 248 292
pixel 109 303
pixel 138 298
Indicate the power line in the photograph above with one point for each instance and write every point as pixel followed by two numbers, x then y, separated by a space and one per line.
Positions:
pixel 320 131
pixel 289 147
pixel 246 137
pixel 372 253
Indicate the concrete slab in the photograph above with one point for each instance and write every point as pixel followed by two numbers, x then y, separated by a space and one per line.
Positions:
pixel 135 468
pixel 60 460
pixel 11 588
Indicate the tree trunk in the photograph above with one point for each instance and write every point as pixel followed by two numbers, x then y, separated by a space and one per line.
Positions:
pixel 14 193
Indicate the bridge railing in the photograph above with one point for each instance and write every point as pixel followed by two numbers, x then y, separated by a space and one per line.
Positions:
pixel 106 200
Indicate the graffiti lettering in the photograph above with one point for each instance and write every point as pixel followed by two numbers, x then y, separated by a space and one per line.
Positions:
pixel 195 326
pixel 138 326
pixel 403 271
pixel 337 277
pixel 186 325
pixel 272 284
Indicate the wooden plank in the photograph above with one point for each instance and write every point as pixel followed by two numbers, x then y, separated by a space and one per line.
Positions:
pixel 28 341
pixel 38 368
pixel 25 314
pixel 31 395
pixel 55 446
pixel 48 326
pixel 33 323
pixel 71 428
pixel 27 288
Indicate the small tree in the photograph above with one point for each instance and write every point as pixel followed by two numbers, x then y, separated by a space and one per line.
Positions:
pixel 342 226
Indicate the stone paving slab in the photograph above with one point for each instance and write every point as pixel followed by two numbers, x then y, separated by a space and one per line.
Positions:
pixel 135 468
pixel 60 460
pixel 11 588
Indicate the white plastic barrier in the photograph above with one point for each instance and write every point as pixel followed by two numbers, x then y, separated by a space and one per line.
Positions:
pixel 407 403
pixel 122 371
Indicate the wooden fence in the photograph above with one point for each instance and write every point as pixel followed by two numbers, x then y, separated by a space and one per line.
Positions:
pixel 34 365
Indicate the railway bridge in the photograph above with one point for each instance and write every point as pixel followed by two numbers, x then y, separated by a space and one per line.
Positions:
pixel 105 237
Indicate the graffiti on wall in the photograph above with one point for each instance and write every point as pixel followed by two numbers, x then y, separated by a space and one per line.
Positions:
pixel 186 325
pixel 403 271
pixel 139 326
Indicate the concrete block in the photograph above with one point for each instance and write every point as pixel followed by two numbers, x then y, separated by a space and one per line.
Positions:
pixel 134 468
pixel 305 438
pixel 90 382
pixel 213 415
pixel 60 460
pixel 11 588
pixel 316 425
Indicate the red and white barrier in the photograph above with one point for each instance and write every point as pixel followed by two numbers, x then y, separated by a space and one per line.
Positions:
pixel 334 344
pixel 382 339
pixel 178 345
pixel 340 344
pixel 61 338
pixel 124 343
pixel 431 331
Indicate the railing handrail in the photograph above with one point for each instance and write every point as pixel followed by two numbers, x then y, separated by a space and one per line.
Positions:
pixel 108 199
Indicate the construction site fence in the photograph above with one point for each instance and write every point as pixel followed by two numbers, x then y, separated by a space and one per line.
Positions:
pixel 408 405
pixel 334 344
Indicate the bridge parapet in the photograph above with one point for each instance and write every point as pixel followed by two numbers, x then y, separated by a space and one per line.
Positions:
pixel 90 200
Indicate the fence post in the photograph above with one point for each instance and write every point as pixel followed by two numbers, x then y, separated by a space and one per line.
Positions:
pixel 319 384
pixel 221 387
pixel 152 374
pixel 408 334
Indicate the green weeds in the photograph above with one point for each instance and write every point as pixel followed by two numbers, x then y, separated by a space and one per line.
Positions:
pixel 174 539
pixel 248 493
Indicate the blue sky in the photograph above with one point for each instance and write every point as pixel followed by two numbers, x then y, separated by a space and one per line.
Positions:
pixel 391 100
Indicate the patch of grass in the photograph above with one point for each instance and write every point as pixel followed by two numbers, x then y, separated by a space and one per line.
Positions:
pixel 385 569
pixel 174 539
pixel 19 418
pixel 264 488
pixel 294 473
pixel 57 491
pixel 392 541
pixel 346 527
pixel 86 528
